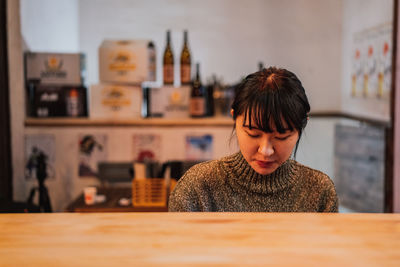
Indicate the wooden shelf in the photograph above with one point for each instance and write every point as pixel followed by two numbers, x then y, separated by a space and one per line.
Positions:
pixel 145 122
pixel 176 122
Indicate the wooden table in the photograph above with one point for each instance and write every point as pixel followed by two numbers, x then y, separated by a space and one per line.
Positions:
pixel 190 239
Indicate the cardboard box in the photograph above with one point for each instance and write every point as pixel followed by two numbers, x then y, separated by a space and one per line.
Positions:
pixel 166 101
pixel 56 101
pixel 115 101
pixel 127 61
pixel 54 68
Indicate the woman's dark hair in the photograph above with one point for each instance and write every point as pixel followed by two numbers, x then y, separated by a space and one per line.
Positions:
pixel 272 97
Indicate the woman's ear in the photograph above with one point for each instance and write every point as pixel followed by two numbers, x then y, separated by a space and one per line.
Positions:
pixel 232 113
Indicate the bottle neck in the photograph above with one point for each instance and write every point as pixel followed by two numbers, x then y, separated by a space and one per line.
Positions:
pixel 196 81
pixel 168 38
pixel 198 73
pixel 185 38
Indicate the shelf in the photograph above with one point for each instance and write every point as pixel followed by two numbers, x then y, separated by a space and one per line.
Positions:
pixel 145 122
pixel 175 122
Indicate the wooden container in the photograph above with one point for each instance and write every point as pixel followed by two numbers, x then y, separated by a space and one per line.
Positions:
pixel 151 192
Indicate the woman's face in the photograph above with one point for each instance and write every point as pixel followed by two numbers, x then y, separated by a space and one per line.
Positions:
pixel 265 152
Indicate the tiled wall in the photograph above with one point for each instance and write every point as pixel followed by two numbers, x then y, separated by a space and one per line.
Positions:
pixel 359 167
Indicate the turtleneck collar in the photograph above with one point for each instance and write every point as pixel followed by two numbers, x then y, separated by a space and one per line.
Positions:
pixel 242 174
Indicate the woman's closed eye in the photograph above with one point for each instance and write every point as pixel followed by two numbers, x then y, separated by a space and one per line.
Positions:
pixel 253 134
pixel 283 137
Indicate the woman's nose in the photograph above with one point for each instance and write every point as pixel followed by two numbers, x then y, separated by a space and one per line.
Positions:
pixel 266 148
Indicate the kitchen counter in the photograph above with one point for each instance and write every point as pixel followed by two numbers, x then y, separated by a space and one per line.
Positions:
pixel 187 239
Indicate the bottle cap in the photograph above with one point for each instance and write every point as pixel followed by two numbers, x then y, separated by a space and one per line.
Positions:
pixel 73 92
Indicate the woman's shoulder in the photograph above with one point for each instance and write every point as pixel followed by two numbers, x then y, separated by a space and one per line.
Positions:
pixel 311 175
pixel 319 185
pixel 205 172
pixel 202 170
pixel 202 167
pixel 197 179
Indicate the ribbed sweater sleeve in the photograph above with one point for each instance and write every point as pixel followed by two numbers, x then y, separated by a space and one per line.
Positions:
pixel 329 199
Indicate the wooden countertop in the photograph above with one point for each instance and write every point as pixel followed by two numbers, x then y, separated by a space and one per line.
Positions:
pixel 187 239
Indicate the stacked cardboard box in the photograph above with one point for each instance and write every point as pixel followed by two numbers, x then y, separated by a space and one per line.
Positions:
pixel 123 66
pixel 165 101
pixel 54 83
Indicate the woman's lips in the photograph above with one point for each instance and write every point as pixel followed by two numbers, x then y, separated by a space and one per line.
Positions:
pixel 265 164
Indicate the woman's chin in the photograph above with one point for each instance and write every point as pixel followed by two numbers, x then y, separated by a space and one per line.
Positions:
pixel 263 170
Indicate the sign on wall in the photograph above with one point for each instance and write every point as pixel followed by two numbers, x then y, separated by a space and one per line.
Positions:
pixel 199 147
pixel 92 150
pixel 146 147
pixel 371 68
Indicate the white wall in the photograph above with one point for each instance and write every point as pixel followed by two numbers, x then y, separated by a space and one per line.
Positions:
pixel 50 25
pixel 316 148
pixel 229 37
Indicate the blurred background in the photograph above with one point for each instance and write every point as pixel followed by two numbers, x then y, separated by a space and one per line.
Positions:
pixel 341 50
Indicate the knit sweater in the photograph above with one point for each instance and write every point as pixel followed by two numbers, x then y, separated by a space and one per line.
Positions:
pixel 230 184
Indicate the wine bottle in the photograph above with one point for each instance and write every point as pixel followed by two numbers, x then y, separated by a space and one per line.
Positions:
pixel 168 62
pixel 185 60
pixel 73 103
pixel 197 103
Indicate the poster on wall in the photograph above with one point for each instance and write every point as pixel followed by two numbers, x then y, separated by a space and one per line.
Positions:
pixel 371 67
pixel 385 67
pixel 39 149
pixel 92 149
pixel 146 147
pixel 199 147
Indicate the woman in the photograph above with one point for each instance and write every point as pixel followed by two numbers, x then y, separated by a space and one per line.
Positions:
pixel 270 110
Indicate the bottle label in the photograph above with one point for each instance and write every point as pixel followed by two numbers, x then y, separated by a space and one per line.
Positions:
pixel 185 74
pixel 197 106
pixel 168 74
pixel 73 106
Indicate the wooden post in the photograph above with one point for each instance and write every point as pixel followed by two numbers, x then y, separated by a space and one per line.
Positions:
pixel 5 134
pixel 392 168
